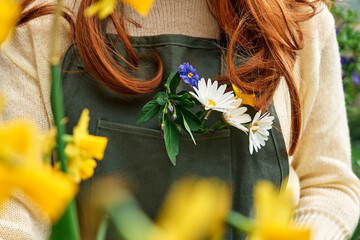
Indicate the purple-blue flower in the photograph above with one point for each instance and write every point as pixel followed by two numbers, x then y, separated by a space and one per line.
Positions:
pixel 355 78
pixel 344 61
pixel 188 74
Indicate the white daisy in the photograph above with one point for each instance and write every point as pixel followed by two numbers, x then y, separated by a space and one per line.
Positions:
pixel 258 130
pixel 237 116
pixel 212 97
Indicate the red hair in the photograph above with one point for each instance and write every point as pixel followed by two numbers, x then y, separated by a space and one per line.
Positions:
pixel 267 31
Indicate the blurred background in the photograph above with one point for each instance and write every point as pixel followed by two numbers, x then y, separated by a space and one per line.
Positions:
pixel 347 16
pixel 355 4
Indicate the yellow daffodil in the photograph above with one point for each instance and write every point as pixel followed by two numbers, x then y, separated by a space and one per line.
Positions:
pixel 52 190
pixel 273 212
pixel 103 8
pixel 21 168
pixel 84 147
pixel 22 147
pixel 9 14
pixel 194 209
pixel 5 183
pixel 247 99
pixel 19 138
pixel 141 6
pixel 49 142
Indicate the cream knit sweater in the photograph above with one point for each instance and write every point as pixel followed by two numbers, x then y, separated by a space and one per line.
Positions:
pixel 325 189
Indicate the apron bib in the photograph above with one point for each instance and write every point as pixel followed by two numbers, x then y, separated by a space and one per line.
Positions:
pixel 137 153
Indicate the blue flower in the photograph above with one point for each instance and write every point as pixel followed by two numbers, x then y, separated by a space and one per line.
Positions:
pixel 188 74
pixel 355 78
pixel 344 61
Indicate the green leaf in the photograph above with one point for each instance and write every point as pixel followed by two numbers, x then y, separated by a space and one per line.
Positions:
pixel 192 120
pixel 67 227
pixel 171 137
pixel 173 82
pixel 186 103
pixel 161 98
pixel 129 220
pixel 187 128
pixel 180 95
pixel 101 233
pixel 148 111
pixel 160 116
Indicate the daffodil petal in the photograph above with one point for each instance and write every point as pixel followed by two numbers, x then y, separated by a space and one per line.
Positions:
pixel 50 189
pixel 94 146
pixel 194 209
pixel 9 15
pixel 141 6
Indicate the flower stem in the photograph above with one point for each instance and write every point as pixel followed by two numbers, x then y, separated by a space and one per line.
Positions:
pixel 67 227
pixel 215 126
pixel 101 233
pixel 55 35
pixel 202 115
pixel 58 112
pixel 208 114
pixel 240 222
pixel 223 126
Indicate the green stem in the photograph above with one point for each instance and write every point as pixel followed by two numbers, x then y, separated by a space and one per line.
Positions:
pixel 101 234
pixel 240 222
pixel 202 115
pixel 55 35
pixel 223 126
pixel 216 125
pixel 208 114
pixel 68 138
pixel 57 106
pixel 67 227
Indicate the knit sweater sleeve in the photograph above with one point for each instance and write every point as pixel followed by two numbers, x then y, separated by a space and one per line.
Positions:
pixel 329 195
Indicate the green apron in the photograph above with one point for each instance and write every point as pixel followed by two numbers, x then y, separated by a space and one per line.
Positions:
pixel 137 152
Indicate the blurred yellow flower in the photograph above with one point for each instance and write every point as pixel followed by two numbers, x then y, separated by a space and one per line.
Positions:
pixel 84 147
pixel 22 147
pixel 19 138
pixel 5 183
pixel 51 189
pixel 247 99
pixel 49 142
pixel 21 168
pixel 103 8
pixel 141 6
pixel 273 212
pixel 194 209
pixel 9 14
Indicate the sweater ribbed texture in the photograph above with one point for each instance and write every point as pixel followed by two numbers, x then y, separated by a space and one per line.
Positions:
pixel 325 189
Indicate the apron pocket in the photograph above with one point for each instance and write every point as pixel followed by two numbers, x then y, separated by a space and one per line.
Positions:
pixel 138 155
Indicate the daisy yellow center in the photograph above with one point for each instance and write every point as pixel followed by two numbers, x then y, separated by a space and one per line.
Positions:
pixel 253 130
pixel 190 75
pixel 211 102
